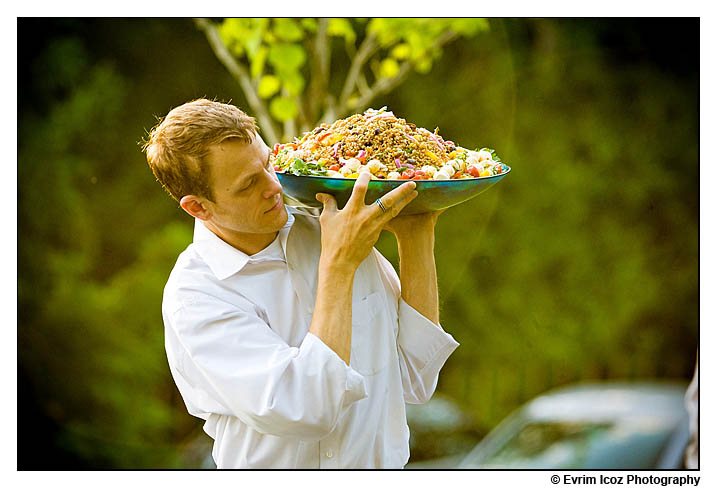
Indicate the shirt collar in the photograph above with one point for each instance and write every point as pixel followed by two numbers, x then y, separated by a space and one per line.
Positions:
pixel 224 259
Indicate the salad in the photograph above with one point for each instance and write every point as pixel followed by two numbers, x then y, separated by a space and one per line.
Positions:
pixel 385 146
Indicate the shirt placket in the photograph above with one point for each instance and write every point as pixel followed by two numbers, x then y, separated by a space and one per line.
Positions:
pixel 329 453
pixel 329 446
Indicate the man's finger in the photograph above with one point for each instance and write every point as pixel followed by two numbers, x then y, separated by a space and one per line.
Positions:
pixel 329 202
pixel 359 191
pixel 394 211
pixel 390 199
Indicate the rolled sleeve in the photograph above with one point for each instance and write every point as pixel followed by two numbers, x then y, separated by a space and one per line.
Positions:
pixel 232 360
pixel 424 347
pixel 354 385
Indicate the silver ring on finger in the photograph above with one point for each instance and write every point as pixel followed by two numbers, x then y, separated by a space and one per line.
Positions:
pixel 381 204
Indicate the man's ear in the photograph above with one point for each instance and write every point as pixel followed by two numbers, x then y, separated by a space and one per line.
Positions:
pixel 195 207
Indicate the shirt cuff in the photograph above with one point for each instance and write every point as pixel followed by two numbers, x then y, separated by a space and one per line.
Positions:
pixel 353 382
pixel 427 343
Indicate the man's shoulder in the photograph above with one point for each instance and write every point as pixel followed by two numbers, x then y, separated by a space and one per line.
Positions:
pixel 305 219
pixel 189 275
pixel 189 263
pixel 304 243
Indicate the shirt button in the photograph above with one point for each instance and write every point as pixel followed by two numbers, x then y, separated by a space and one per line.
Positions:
pixel 329 454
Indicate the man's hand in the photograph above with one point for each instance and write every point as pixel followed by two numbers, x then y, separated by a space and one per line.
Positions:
pixel 403 226
pixel 348 235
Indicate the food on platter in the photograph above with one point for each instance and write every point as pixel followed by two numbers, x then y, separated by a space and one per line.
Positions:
pixel 385 146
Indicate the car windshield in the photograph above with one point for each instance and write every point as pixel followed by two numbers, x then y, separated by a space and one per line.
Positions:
pixel 576 445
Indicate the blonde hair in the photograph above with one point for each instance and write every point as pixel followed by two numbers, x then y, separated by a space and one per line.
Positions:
pixel 177 146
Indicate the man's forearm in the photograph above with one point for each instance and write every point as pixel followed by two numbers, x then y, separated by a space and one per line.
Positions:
pixel 332 319
pixel 348 236
pixel 417 271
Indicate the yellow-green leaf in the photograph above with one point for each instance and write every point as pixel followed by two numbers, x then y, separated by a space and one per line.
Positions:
pixel 391 30
pixel 389 68
pixel 292 80
pixel 287 56
pixel 283 108
pixel 257 64
pixel 287 29
pixel 309 24
pixel 469 26
pixel 401 51
pixel 252 36
pixel 269 38
pixel 268 86
pixel 341 27
pixel 423 65
pixel 252 43
pixel 232 32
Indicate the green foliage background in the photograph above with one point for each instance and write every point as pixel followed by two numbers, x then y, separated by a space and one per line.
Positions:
pixel 581 264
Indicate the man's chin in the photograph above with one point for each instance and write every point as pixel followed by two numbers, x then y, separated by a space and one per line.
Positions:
pixel 283 214
pixel 280 217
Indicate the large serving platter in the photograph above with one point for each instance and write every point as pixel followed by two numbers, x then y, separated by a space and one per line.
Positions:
pixel 433 194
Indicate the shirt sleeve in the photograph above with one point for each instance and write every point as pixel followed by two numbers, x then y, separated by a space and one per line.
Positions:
pixel 423 346
pixel 231 362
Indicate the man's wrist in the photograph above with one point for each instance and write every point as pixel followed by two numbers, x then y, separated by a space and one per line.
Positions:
pixel 413 226
pixel 421 236
pixel 337 269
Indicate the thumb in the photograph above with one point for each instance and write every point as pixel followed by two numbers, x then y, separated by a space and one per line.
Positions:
pixel 328 200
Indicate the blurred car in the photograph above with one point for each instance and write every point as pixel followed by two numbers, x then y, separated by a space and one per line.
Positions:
pixel 440 428
pixel 617 425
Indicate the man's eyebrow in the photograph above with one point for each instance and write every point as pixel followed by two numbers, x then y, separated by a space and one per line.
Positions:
pixel 245 181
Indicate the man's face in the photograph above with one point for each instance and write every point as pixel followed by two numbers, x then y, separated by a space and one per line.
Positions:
pixel 247 193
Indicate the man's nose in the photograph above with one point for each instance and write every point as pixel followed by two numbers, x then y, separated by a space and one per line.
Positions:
pixel 273 186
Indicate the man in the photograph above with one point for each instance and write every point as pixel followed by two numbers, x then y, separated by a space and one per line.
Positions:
pixel 290 335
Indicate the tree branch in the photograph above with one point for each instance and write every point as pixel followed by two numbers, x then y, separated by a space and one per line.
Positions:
pixel 362 84
pixel 385 85
pixel 382 86
pixel 290 129
pixel 239 72
pixel 323 51
pixel 315 101
pixel 330 112
pixel 368 47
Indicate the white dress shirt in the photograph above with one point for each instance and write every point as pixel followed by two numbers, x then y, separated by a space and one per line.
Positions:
pixel 274 395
